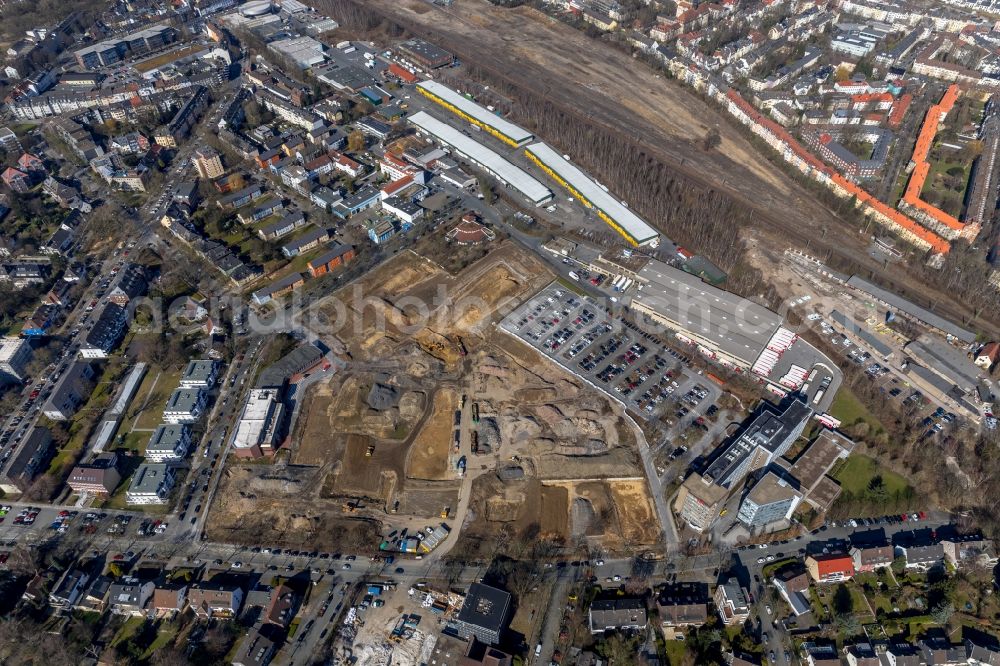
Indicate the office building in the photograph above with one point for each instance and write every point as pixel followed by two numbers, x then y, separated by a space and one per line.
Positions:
pixel 768 437
pixel 485 614
pixel 771 500
pixel 98 477
pixel 259 429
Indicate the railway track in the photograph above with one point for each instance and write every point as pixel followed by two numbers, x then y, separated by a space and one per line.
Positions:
pixel 673 153
pixel 789 218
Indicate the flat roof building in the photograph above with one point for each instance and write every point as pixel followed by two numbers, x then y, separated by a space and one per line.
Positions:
pixel 633 228
pixel 14 356
pixel 771 500
pixel 911 309
pixel 259 428
pixel 811 469
pixel 768 436
pixel 732 603
pixel 200 373
pixel 881 348
pixel 169 443
pixel 479 116
pixel 184 406
pixel 731 327
pixel 151 484
pixel 426 54
pixel 488 160
pixel 950 363
pixel 208 162
pixel 305 52
pixel 485 613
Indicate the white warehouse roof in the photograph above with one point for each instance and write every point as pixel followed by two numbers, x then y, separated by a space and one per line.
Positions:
pixel 723 321
pixel 629 224
pixel 489 160
pixel 305 51
pixel 518 135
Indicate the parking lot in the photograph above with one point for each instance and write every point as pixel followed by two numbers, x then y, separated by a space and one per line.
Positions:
pixel 628 364
pixel 31 524
pixel 933 420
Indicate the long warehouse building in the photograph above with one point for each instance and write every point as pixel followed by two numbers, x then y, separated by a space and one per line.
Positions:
pixel 633 228
pixel 732 328
pixel 468 110
pixel 911 309
pixel 493 163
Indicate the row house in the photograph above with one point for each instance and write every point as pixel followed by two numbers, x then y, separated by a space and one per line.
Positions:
pixel 330 260
pixel 869 558
pixel 286 225
pixel 128 596
pixel 260 211
pixel 830 568
pixel 132 143
pixel 305 242
pixel 277 288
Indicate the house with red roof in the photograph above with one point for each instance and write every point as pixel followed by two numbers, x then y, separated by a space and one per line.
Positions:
pixel 830 568
pixel 16 180
pixel 988 355
pixel 347 165
pixel 28 162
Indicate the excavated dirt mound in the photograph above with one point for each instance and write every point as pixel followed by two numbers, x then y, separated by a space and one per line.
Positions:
pixel 583 517
pixel 428 458
pixel 382 396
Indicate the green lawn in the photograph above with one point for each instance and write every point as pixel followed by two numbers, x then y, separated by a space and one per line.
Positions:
pixel 934 185
pixel 858 600
pixel 80 428
pixel 857 471
pixel 152 415
pixel 769 570
pixel 75 444
pixel 140 395
pixel 134 441
pixel 165 634
pixel 849 410
pixel 676 651
pixel 128 629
